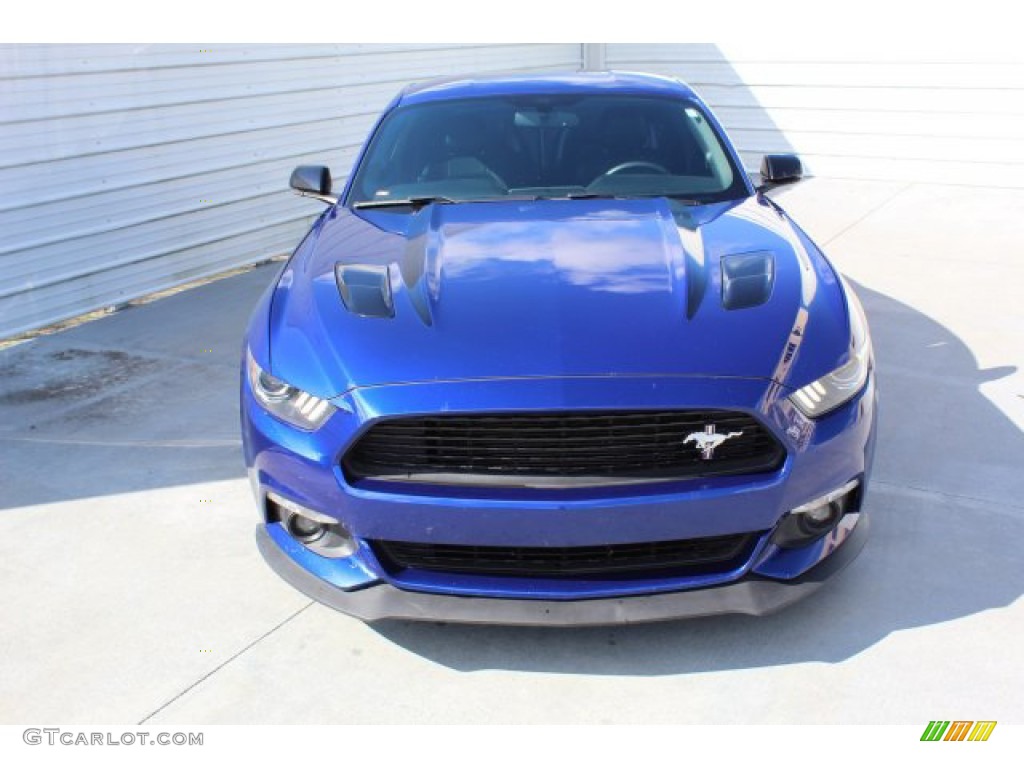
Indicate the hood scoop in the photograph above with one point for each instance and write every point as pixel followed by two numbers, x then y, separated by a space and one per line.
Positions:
pixel 747 279
pixel 365 289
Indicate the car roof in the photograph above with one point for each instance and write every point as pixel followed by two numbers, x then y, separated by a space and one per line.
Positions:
pixel 499 84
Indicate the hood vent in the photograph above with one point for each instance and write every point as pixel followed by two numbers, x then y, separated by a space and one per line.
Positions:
pixel 365 289
pixel 747 279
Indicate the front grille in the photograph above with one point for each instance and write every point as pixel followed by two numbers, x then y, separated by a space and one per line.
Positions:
pixel 560 449
pixel 689 556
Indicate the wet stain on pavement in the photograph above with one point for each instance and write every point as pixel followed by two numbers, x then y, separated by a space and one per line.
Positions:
pixel 35 377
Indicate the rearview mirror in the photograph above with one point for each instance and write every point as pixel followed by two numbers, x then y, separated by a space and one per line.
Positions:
pixel 535 118
pixel 780 169
pixel 313 181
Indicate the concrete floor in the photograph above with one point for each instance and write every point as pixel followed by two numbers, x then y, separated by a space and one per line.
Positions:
pixel 131 589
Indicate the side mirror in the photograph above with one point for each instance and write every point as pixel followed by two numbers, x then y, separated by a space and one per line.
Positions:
pixel 313 181
pixel 780 169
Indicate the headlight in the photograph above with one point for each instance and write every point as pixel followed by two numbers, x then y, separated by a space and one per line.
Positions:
pixel 831 391
pixel 286 402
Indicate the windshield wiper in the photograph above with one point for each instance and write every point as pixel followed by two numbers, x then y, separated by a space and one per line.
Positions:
pixel 414 202
pixel 589 196
pixel 418 202
pixel 628 196
pixel 674 197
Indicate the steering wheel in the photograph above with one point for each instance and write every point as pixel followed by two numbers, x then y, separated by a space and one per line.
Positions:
pixel 636 164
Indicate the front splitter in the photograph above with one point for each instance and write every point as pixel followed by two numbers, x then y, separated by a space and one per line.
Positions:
pixel 752 595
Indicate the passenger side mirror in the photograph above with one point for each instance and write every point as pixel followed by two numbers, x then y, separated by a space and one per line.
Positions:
pixel 780 169
pixel 313 181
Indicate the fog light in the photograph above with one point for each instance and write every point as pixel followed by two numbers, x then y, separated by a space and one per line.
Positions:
pixel 304 529
pixel 320 533
pixel 818 520
pixel 817 517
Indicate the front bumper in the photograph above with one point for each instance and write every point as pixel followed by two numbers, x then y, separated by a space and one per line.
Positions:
pixel 305 467
pixel 752 595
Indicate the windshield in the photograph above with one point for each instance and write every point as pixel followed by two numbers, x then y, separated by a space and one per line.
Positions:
pixel 546 146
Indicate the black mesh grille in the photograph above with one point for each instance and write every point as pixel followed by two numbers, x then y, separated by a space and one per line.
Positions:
pixel 560 449
pixel 716 554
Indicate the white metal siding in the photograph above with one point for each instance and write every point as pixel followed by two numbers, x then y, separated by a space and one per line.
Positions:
pixel 129 169
pixel 866 113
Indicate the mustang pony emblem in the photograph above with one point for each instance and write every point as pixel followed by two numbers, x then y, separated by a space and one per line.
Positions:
pixel 708 440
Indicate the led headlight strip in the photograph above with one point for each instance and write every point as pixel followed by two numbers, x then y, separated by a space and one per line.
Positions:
pixel 841 385
pixel 286 402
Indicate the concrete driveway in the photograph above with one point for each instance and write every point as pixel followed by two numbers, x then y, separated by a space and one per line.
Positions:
pixel 131 589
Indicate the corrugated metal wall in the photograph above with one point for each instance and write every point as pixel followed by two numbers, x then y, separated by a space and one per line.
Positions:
pixel 943 115
pixel 129 169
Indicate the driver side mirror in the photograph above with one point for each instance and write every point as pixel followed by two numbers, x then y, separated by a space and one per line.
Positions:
pixel 780 169
pixel 313 181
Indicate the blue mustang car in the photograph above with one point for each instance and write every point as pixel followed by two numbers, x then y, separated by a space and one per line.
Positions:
pixel 551 358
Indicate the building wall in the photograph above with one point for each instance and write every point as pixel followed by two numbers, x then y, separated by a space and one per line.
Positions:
pixel 129 169
pixel 918 112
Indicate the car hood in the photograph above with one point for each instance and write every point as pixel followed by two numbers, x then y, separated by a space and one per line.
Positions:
pixel 554 288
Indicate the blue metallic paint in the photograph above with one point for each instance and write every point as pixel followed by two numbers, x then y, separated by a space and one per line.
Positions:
pixel 556 278
pixel 305 467
pixel 554 304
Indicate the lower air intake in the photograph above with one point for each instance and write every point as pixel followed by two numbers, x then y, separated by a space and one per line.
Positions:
pixel 690 556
